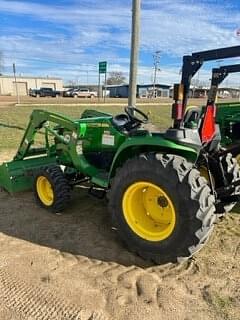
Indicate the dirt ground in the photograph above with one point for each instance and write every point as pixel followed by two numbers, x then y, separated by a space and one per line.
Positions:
pixel 72 266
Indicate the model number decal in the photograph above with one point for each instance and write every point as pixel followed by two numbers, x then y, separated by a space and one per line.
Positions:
pixel 108 139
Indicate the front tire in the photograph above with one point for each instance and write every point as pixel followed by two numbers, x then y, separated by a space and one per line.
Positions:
pixel 161 208
pixel 51 189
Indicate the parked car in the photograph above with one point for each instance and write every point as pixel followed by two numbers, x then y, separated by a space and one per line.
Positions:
pixel 85 93
pixel 44 92
pixel 68 92
pixel 75 93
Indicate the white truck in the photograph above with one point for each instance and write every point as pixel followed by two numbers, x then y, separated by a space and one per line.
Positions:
pixel 86 93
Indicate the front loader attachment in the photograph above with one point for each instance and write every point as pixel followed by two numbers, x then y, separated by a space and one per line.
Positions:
pixel 18 175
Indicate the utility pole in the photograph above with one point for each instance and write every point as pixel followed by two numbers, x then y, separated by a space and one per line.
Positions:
pixel 156 63
pixel 15 78
pixel 136 8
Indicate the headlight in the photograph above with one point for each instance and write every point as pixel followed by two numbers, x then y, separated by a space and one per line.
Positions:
pixel 67 138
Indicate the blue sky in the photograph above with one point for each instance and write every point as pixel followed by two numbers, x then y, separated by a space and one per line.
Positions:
pixel 68 38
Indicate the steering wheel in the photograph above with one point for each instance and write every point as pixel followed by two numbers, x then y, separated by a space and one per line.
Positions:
pixel 131 111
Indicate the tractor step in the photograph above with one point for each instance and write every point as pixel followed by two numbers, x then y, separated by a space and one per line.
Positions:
pixel 101 179
pixel 97 193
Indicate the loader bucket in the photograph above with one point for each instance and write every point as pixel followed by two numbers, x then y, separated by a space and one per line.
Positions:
pixel 18 175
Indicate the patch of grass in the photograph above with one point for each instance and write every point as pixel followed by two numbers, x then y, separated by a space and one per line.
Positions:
pixel 14 120
pixel 223 305
pixel 221 302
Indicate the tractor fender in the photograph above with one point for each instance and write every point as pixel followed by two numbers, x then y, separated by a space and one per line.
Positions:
pixel 139 145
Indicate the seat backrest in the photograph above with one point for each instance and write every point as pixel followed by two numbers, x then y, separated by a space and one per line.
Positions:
pixel 192 114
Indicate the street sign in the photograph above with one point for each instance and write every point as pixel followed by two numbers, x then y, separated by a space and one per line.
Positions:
pixel 103 67
pixel 102 70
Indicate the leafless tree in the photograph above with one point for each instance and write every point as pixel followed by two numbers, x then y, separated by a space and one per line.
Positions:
pixel 72 83
pixel 196 83
pixel 116 78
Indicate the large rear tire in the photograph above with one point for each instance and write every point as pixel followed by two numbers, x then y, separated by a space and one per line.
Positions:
pixel 161 207
pixel 231 167
pixel 51 189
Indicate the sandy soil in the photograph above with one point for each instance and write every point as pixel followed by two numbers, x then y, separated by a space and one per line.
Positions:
pixel 72 266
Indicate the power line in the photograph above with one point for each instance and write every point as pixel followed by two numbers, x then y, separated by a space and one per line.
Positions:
pixel 55 62
pixel 156 64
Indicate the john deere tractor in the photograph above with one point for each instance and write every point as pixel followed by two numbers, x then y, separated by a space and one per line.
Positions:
pixel 161 205
pixel 227 115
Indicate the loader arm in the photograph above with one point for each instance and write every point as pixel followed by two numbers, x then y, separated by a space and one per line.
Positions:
pixel 191 65
pixel 41 119
pixel 218 75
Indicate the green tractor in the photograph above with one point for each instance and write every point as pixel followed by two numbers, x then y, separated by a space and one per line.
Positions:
pixel 228 113
pixel 161 205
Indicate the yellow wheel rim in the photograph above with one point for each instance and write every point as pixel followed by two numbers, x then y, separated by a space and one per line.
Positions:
pixel 149 211
pixel 45 191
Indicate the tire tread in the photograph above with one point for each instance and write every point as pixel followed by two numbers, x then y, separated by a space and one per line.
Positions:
pixel 191 183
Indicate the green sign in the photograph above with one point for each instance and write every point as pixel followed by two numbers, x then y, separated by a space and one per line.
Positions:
pixel 103 67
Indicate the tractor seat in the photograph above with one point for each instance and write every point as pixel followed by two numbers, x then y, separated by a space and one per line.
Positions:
pixel 123 123
pixel 120 121
pixel 192 115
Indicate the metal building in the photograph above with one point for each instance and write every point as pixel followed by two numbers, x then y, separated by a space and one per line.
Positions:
pixel 8 85
pixel 143 90
pixel 118 91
